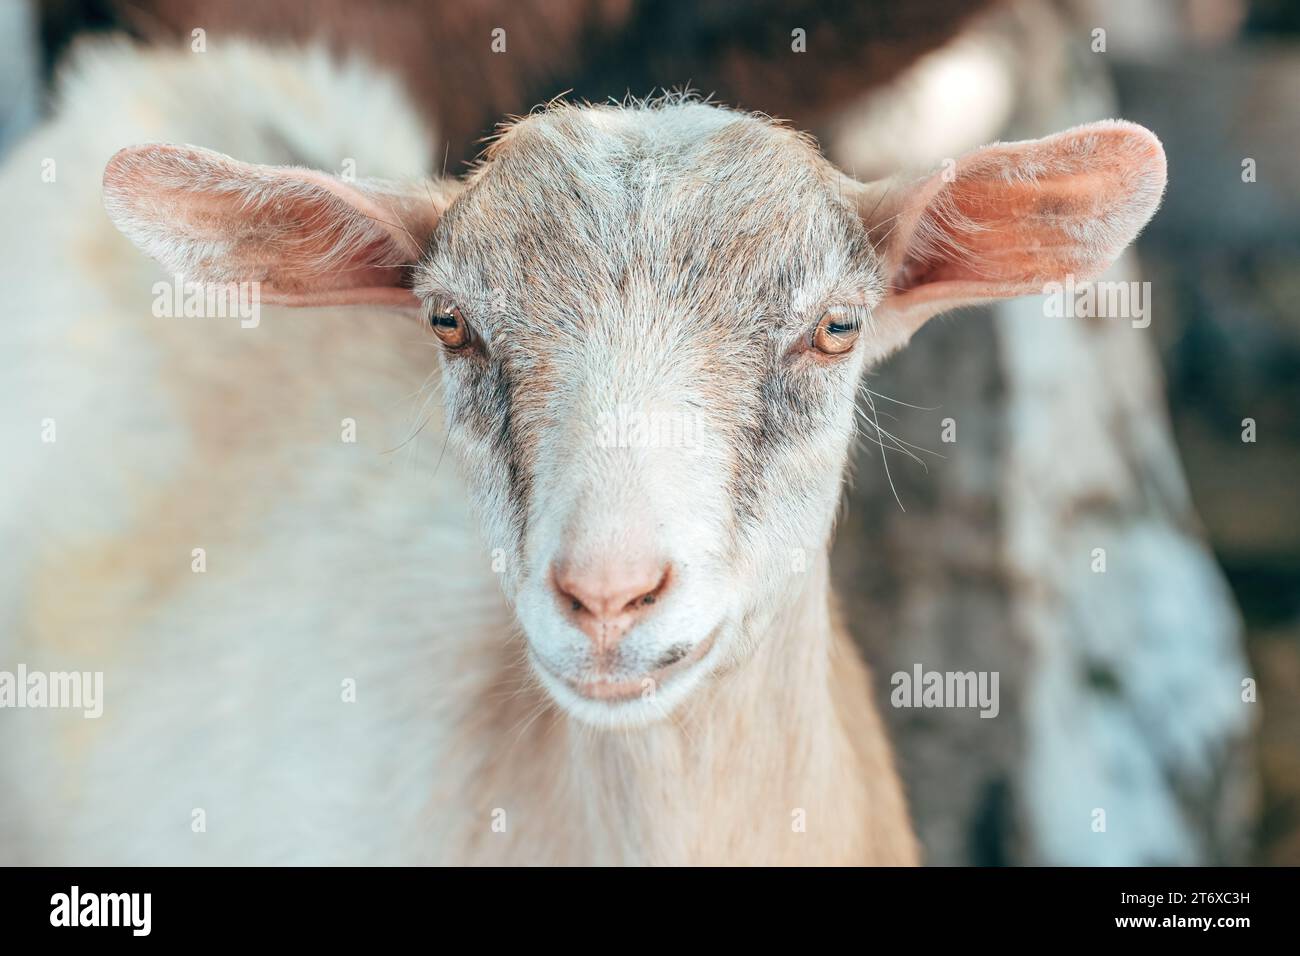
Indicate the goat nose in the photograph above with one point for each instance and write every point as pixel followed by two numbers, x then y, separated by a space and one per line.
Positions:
pixel 605 599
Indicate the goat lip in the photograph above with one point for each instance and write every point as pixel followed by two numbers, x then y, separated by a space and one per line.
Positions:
pixel 616 691
pixel 608 690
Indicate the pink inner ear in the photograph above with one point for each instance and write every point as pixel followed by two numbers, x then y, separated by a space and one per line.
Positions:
pixel 307 237
pixel 359 243
pixel 1020 215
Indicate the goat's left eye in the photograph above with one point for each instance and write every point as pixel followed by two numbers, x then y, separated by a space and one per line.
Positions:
pixel 836 331
pixel 449 324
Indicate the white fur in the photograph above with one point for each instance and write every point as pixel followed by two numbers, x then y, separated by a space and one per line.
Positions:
pixel 223 693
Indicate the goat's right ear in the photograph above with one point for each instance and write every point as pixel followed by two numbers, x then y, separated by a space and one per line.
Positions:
pixel 309 238
pixel 1007 219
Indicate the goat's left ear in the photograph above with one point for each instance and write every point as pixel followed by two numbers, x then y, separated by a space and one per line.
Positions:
pixel 1007 219
pixel 308 237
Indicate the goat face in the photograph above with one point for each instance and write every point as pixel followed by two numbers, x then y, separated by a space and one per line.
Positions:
pixel 652 319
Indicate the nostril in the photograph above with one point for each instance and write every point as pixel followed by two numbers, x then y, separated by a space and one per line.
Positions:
pixel 651 596
pixel 575 605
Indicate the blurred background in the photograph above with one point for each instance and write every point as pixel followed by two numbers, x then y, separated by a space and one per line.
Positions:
pixel 1164 689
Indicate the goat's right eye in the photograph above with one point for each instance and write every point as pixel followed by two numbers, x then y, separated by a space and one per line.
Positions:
pixel 449 324
pixel 836 331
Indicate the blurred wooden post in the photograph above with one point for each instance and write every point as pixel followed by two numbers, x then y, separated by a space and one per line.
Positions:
pixel 1120 690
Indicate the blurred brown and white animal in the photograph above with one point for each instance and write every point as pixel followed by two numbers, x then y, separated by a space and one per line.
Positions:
pixel 636 659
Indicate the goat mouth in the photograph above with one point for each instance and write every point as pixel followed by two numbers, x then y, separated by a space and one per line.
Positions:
pixel 673 664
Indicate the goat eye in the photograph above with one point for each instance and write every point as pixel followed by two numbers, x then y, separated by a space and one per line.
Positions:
pixel 449 325
pixel 836 332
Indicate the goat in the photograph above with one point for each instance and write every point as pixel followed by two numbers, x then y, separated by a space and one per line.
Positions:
pixel 308 653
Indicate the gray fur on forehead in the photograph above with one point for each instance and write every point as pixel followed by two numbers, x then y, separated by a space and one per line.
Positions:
pixel 675 197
